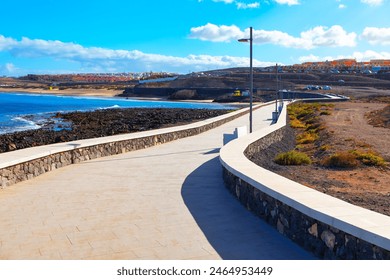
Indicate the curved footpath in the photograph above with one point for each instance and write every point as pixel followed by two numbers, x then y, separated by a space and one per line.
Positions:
pixel 164 202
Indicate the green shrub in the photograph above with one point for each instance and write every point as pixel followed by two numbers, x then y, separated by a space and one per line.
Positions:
pixel 292 158
pixel 307 137
pixel 313 126
pixel 295 123
pixel 300 110
pixel 325 113
pixel 325 147
pixel 369 158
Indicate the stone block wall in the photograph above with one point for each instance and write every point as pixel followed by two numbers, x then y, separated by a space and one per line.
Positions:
pixel 323 240
pixel 265 142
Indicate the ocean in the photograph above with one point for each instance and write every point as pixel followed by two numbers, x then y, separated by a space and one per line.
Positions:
pixel 23 111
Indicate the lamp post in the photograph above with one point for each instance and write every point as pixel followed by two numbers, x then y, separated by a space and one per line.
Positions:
pixel 250 40
pixel 277 88
pixel 276 113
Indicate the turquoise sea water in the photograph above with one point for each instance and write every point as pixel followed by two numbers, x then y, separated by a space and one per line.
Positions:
pixel 21 111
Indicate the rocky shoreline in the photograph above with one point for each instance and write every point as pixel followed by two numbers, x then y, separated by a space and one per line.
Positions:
pixel 100 123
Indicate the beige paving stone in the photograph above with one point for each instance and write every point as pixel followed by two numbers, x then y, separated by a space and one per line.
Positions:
pixel 33 247
pixel 80 238
pixel 48 255
pixel 129 255
pixel 146 253
pixel 60 237
pixel 9 245
pixel 26 254
pixel 164 202
pixel 56 245
pixel 46 230
pixel 174 252
pixel 113 256
pixel 84 251
pixel 125 245
pixel 205 257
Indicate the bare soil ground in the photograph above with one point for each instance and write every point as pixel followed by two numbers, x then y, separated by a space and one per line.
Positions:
pixel 346 128
pixel 365 186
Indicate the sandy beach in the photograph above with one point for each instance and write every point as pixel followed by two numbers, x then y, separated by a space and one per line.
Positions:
pixel 70 91
pixel 101 93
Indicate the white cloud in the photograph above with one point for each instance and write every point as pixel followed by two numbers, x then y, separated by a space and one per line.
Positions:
pixel 370 54
pixel 334 36
pixel 6 43
pixel 309 58
pixel 253 5
pixel 359 56
pixel 215 33
pixel 320 36
pixel 109 60
pixel 225 1
pixel 376 36
pixel 240 4
pixel 288 2
pixel 279 38
pixel 314 58
pixel 373 2
pixel 8 69
pixel 342 6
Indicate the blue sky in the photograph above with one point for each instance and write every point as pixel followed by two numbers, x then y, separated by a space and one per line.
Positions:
pixel 182 36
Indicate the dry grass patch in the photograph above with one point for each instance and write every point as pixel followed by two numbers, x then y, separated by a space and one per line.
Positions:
pixel 351 159
pixel 292 158
pixel 307 137
pixel 341 160
pixel 369 158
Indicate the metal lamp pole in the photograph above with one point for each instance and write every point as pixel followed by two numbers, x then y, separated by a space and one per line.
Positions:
pixel 277 88
pixel 250 40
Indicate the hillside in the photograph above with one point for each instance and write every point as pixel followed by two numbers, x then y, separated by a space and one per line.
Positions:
pixel 218 84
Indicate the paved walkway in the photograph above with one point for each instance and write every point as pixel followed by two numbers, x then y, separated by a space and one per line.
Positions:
pixel 164 202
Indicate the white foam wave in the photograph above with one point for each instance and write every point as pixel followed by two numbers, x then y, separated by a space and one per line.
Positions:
pixel 25 124
pixel 110 107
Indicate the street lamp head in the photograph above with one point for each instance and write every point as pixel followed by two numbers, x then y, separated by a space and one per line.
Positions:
pixel 246 40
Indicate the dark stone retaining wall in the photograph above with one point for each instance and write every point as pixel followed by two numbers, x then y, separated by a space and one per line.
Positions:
pixel 324 241
pixel 27 170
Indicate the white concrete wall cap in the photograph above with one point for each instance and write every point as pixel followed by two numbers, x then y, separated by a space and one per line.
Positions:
pixel 362 223
pixel 19 156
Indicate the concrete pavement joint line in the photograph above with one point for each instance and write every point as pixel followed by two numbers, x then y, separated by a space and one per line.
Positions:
pixel 364 224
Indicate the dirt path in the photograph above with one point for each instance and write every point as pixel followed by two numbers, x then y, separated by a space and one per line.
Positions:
pixel 368 187
pixel 349 121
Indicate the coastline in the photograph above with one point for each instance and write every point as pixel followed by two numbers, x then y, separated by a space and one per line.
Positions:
pixel 27 119
pixel 109 93
pixel 92 93
pixel 100 123
pixel 67 92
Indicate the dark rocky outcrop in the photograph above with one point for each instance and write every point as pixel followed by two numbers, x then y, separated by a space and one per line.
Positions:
pixel 84 125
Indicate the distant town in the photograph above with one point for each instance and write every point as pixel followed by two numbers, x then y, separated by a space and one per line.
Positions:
pixel 372 68
pixel 343 65
pixel 98 77
pixel 336 66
